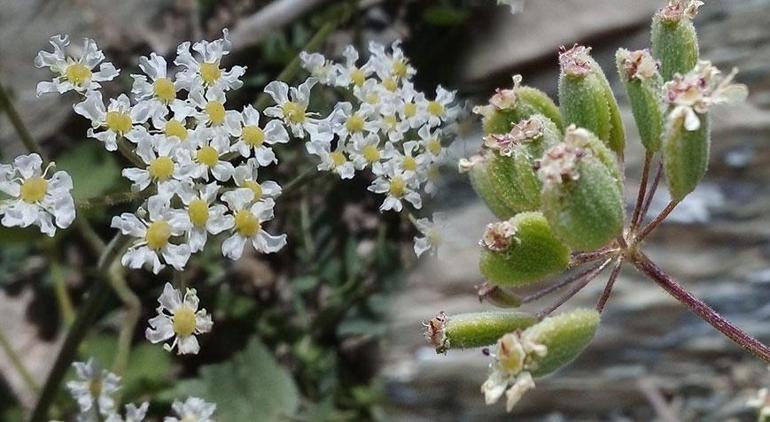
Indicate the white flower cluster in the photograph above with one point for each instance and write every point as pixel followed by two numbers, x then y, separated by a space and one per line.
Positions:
pixel 178 126
pixel 94 392
pixel 388 126
pixel 34 197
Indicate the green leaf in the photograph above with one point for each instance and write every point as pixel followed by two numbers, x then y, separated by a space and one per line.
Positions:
pixel 94 171
pixel 249 386
pixel 444 16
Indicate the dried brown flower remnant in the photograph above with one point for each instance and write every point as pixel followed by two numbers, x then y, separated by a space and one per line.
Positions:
pixel 639 64
pixel 521 134
pixel 498 236
pixel 575 61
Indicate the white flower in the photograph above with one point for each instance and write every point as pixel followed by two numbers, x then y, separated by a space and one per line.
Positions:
pixel 202 70
pixel 319 67
pixel 410 162
pixel 440 109
pixel 192 409
pixel 431 142
pixel 207 158
pixel 162 167
pixel 432 234
pixel 133 413
pixel 113 122
pixel 336 161
pixel 412 106
pixel 248 220
pixel 349 73
pixel 246 176
pixel 94 387
pixel 291 107
pixel 253 137
pixel 350 124
pixel 515 357
pixel 394 65
pixel 176 127
pixel 398 186
pixel 154 236
pixel 204 216
pixel 155 90
pixel 180 319
pixel 35 199
pixel 74 73
pixel 372 93
pixel 367 152
pixel 212 113
pixel 697 91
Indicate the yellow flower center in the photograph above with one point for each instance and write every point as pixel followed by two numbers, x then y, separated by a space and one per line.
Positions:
pixel 161 168
pixel 358 77
pixel 255 187
pixel 207 156
pixel 435 108
pixel 95 387
pixel 210 73
pixel 198 212
pixel 164 89
pixel 397 186
pixel 158 234
pixel 216 112
pixel 410 164
pixel 34 189
pixel 410 109
pixel 118 122
pixel 175 128
pixel 371 153
pixel 372 98
pixel 338 158
pixel 355 123
pixel 399 68
pixel 77 73
pixel 184 321
pixel 253 136
pixel 294 112
pixel 391 121
pixel 434 146
pixel 246 223
pixel 390 84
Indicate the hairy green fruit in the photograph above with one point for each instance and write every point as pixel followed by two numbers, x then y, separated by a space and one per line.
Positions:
pixel 515 181
pixel 686 156
pixel 510 106
pixel 475 329
pixel 582 200
pixel 565 336
pixel 530 252
pixel 643 83
pixel 478 170
pixel 586 100
pixel 674 41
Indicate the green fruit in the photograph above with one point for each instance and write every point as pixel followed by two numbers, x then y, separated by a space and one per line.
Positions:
pixel 475 329
pixel 685 156
pixel 674 43
pixel 644 93
pixel 483 185
pixel 565 336
pixel 585 209
pixel 515 181
pixel 510 106
pixel 534 253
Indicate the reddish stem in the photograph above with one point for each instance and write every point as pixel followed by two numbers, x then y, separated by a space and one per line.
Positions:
pixel 642 190
pixel 653 189
pixel 556 286
pixel 700 308
pixel 582 281
pixel 608 288
pixel 654 223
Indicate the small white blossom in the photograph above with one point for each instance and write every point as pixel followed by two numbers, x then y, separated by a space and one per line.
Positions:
pixel 291 107
pixel 154 236
pixel 251 136
pixel 115 121
pixel 178 318
pixel 35 199
pixel 162 165
pixel 94 388
pixel 74 73
pixel 134 413
pixel 432 234
pixel 204 215
pixel 207 159
pixel 202 69
pixel 248 219
pixel 349 73
pixel 319 67
pixel 246 176
pixel 398 186
pixel 154 91
pixel 515 357
pixel 192 409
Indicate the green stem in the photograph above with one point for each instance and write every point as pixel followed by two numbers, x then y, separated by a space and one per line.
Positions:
pixel 127 151
pixel 96 297
pixel 13 115
pixel 17 363
pixel 66 308
pixel 133 307
pixel 110 200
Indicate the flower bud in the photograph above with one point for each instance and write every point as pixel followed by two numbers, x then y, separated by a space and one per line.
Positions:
pixel 674 41
pixel 585 97
pixel 521 251
pixel 582 199
pixel 639 72
pixel 565 336
pixel 475 329
pixel 509 106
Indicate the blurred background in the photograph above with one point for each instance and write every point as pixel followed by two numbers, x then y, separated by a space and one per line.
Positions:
pixel 330 328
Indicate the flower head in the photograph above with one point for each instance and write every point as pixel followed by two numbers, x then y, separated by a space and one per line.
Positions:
pixel 178 318
pixel 248 217
pixel 74 73
pixel 93 388
pixel 202 65
pixel 192 409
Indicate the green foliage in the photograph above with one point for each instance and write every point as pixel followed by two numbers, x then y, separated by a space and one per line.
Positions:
pixel 535 254
pixel 248 384
pixel 94 171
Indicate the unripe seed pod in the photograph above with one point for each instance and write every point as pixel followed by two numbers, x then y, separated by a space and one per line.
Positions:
pixel 586 100
pixel 584 139
pixel 582 200
pixel 475 329
pixel 477 168
pixel 521 251
pixel 498 296
pixel 639 72
pixel 509 106
pixel 673 38
pixel 685 155
pixel 565 336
